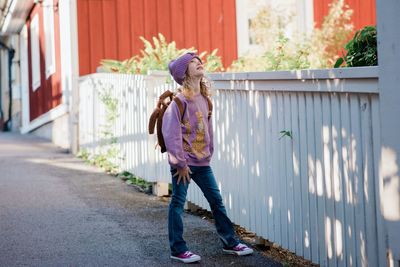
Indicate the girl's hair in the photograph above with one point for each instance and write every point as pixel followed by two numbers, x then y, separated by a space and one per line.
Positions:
pixel 204 85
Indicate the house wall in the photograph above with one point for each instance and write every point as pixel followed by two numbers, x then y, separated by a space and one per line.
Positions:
pixel 364 12
pixel 49 94
pixel 111 29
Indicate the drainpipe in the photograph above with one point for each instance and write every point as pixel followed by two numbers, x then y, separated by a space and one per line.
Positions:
pixel 7 124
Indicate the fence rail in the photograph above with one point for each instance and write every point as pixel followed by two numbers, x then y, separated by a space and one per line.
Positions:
pixel 313 193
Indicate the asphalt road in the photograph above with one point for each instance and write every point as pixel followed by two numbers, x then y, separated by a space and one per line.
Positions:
pixel 57 211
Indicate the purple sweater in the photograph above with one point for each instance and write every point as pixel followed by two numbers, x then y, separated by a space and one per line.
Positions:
pixel 188 141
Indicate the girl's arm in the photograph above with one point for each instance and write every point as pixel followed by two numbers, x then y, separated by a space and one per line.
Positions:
pixel 172 133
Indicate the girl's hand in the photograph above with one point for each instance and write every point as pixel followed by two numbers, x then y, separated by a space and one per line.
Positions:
pixel 183 174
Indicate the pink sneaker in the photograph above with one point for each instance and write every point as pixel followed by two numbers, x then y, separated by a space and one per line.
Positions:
pixel 186 257
pixel 240 250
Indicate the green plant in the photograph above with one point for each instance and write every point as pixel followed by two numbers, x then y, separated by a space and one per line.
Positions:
pixel 361 50
pixel 129 66
pixel 83 154
pixel 140 183
pixel 326 42
pixel 286 133
pixel 213 62
pixel 156 55
pixel 285 57
pixel 125 175
pixel 108 151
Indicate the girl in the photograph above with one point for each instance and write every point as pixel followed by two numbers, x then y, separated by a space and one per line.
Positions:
pixel 189 143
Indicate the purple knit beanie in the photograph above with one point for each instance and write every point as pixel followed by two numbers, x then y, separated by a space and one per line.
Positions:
pixel 178 67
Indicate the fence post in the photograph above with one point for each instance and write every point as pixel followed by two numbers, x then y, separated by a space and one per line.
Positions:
pixel 388 21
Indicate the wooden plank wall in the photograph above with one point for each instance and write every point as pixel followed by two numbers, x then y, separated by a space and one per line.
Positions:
pixel 111 29
pixel 49 93
pixel 364 12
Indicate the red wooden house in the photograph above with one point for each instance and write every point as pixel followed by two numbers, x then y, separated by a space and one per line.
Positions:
pixel 56 41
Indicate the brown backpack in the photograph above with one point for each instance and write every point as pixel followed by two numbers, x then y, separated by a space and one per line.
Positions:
pixel 157 116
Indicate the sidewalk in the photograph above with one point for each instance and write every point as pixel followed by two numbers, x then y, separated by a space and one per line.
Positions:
pixel 57 211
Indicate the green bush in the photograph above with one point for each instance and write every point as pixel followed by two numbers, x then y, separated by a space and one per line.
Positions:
pixel 361 50
pixel 156 56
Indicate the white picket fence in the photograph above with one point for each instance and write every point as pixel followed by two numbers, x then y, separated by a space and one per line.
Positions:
pixel 314 194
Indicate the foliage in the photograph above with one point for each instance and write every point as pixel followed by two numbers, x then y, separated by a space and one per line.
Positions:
pixel 156 56
pixel 109 141
pixel 83 154
pixel 131 179
pixel 108 151
pixel 327 42
pixel 283 56
pixel 287 133
pixel 279 52
pixel 361 50
pixel 129 66
pixel 213 62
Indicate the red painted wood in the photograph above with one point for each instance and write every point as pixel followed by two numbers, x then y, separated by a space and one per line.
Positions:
pixel 84 41
pixel 150 19
pixel 33 96
pixel 43 92
pixel 202 24
pixel 55 79
pixel 49 93
pixel 230 37
pixel 122 27
pixel 177 27
pixel 96 34
pixel 364 12
pixel 190 23
pixel 217 22
pixel 31 99
pixel 137 29
pixel 164 18
pixel 110 29
pixel 319 11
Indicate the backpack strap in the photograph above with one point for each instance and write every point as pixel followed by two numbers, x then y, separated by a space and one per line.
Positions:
pixel 210 107
pixel 180 106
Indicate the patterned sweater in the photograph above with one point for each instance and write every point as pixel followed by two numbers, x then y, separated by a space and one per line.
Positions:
pixel 189 141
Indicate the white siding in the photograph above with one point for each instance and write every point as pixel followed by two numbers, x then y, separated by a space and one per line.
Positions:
pixel 48 25
pixel 35 52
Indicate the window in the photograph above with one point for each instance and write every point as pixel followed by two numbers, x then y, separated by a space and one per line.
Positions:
pixel 48 16
pixel 35 52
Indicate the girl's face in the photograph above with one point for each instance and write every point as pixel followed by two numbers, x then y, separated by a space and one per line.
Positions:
pixel 195 68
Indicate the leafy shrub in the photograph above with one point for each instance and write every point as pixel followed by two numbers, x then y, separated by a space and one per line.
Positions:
pixel 156 56
pixel 327 42
pixel 129 66
pixel 361 50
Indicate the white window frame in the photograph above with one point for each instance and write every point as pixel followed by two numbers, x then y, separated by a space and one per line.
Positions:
pixel 35 52
pixel 48 23
pixel 246 9
pixel 244 12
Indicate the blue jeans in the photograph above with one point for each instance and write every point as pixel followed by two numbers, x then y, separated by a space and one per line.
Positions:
pixel 204 178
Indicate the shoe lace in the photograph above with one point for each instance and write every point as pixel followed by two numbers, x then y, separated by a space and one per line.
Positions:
pixel 240 246
pixel 188 254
